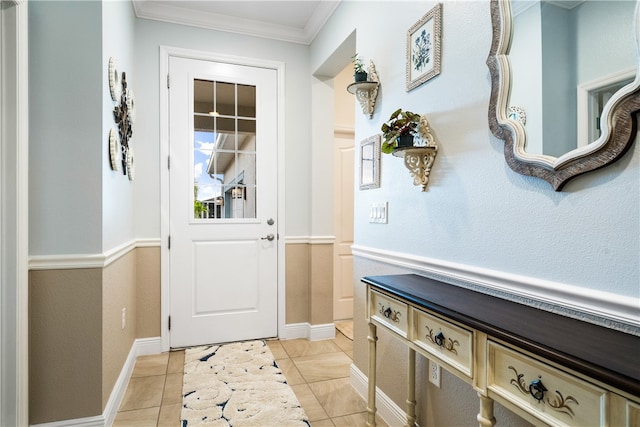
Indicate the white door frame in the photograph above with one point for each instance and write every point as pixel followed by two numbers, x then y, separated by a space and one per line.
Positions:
pixel 14 174
pixel 165 53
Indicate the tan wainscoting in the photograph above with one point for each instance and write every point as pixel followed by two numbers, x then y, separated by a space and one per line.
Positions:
pixel 65 344
pixel 309 282
pixel 78 347
pixel 297 281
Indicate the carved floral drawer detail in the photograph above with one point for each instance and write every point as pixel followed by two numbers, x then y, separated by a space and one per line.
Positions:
pixel 444 339
pixel 389 311
pixel 440 340
pixel 537 389
pixel 554 396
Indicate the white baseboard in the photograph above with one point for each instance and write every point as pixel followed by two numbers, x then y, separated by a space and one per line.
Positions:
pixel 391 413
pixel 141 347
pixel 305 330
pixel 146 346
pixel 322 332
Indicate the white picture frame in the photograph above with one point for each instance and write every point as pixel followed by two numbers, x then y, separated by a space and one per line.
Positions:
pixel 424 48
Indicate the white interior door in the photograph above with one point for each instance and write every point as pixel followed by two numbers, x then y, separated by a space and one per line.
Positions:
pixel 343 161
pixel 223 202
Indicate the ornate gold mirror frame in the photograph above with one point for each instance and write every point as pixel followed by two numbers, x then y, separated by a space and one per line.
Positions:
pixel 619 120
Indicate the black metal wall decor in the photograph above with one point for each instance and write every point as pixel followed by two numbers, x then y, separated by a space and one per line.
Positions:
pixel 123 115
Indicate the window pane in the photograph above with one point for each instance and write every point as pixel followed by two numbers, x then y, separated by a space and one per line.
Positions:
pixel 204 123
pixel 224 150
pixel 226 98
pixel 226 125
pixel 246 101
pixel 247 126
pixel 202 96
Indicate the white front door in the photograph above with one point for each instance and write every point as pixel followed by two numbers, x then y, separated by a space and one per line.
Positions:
pixel 223 202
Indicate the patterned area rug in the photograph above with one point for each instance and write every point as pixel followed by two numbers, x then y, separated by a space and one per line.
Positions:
pixel 237 384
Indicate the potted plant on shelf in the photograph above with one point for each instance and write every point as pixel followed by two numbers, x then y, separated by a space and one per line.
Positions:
pixel 400 130
pixel 360 75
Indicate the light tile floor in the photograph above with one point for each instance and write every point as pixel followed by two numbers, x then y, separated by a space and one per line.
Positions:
pixel 317 371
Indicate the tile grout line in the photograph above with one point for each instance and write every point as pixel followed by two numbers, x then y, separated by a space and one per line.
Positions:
pixel 164 388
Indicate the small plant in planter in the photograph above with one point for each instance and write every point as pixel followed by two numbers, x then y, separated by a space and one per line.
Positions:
pixel 400 130
pixel 360 75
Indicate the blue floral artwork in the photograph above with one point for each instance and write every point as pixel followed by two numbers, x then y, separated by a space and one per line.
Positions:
pixel 424 48
pixel 421 53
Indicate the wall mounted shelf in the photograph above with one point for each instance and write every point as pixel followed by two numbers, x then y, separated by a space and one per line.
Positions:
pixel 419 161
pixel 366 92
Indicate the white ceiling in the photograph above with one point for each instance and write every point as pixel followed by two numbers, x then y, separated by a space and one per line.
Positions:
pixel 290 20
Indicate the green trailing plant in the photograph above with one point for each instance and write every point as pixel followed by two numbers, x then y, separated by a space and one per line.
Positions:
pixel 399 123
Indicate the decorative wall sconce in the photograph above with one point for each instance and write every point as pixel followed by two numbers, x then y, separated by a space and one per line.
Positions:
pixel 366 92
pixel 419 161
pixel 419 158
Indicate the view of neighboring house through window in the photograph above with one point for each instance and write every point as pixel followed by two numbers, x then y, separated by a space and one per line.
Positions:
pixel 224 150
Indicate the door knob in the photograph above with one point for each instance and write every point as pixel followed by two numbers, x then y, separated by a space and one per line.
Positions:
pixel 268 237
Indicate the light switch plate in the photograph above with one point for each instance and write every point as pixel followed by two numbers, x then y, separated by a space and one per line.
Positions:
pixel 378 213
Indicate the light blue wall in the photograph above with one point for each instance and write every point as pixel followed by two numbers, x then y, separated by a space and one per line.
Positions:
pixel 603 44
pixel 78 205
pixel 558 81
pixel 118 202
pixel 65 127
pixel 525 58
pixel 477 212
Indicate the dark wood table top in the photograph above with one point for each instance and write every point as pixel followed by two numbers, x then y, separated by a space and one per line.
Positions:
pixel 601 353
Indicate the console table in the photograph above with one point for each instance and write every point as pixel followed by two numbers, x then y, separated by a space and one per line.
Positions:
pixel 542 366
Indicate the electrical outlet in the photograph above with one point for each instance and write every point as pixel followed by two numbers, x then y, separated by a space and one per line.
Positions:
pixel 124 317
pixel 434 373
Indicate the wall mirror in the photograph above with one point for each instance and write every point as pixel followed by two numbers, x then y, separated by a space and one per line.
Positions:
pixel 370 162
pixel 565 87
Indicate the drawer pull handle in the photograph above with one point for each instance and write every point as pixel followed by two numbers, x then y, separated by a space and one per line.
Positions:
pixel 558 403
pixel 537 389
pixel 441 341
pixel 390 314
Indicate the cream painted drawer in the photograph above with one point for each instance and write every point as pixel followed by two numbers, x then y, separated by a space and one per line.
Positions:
pixel 561 399
pixel 392 313
pixel 633 414
pixel 451 343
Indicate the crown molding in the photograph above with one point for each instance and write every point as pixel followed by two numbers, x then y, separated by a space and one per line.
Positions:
pixel 160 11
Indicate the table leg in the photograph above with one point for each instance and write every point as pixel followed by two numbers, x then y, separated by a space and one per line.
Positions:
pixel 411 389
pixel 371 402
pixel 485 417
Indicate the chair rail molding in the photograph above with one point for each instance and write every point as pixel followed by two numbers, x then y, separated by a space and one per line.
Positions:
pixel 615 311
pixel 310 240
pixel 98 260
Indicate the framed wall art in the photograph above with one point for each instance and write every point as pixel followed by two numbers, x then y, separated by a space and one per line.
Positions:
pixel 424 48
pixel 370 162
